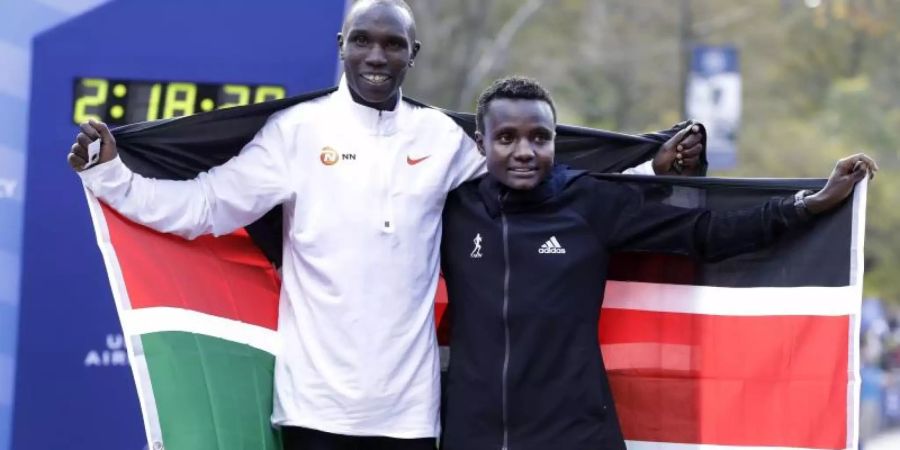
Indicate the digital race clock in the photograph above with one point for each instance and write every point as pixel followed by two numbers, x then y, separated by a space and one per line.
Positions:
pixel 118 102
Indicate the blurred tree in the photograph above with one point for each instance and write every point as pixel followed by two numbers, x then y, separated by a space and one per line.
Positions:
pixel 818 83
pixel 470 39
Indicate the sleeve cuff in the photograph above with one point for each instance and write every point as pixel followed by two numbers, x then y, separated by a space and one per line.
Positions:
pixel 791 214
pixel 105 176
pixel 643 169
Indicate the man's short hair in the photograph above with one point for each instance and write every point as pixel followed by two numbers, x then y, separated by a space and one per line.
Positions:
pixel 513 88
pixel 398 3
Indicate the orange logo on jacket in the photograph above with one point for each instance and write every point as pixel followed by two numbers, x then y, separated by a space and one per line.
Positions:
pixel 329 156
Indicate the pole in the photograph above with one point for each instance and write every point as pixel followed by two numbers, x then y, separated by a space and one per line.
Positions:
pixel 686 44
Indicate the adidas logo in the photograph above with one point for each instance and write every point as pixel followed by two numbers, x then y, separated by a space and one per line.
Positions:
pixel 552 246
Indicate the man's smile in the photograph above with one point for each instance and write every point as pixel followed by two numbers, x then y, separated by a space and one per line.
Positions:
pixel 376 78
pixel 522 171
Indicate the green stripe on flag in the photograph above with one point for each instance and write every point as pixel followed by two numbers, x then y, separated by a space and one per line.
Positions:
pixel 211 393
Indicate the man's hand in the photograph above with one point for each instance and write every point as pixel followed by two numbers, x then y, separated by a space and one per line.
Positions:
pixel 681 154
pixel 91 131
pixel 847 172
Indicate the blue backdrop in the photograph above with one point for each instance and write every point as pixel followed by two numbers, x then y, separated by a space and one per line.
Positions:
pixel 73 389
pixel 20 21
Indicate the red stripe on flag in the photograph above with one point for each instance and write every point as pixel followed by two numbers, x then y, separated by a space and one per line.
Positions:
pixel 776 381
pixel 227 276
pixel 440 309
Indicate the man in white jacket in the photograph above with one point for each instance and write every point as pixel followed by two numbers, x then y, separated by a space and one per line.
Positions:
pixel 362 176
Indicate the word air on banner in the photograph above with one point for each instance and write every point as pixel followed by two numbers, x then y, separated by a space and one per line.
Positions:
pixel 114 354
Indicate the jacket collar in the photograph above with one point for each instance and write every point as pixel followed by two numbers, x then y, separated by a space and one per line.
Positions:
pixel 379 122
pixel 498 198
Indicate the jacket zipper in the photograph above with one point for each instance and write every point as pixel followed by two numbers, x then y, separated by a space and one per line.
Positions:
pixel 505 324
pixel 387 160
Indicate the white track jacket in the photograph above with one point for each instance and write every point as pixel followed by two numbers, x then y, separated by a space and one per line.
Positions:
pixel 363 192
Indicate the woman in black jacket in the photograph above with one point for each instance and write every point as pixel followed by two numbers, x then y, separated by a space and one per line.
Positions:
pixel 525 253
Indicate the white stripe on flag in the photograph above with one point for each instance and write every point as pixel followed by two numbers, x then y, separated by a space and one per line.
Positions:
pixel 722 301
pixel 857 269
pixel 146 398
pixel 159 319
pixel 145 391
pixel 641 445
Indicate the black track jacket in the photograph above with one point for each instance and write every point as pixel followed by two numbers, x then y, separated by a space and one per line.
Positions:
pixel 524 273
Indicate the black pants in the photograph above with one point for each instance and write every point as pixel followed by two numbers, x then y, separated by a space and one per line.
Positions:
pixel 296 438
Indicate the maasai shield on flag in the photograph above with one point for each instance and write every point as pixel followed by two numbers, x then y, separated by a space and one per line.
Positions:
pixel 738 354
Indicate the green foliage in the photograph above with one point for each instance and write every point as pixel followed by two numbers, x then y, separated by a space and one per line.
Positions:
pixel 818 83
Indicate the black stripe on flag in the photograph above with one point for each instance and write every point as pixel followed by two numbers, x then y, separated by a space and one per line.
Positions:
pixel 796 259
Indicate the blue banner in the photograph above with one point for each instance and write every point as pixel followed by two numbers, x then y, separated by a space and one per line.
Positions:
pixel 20 21
pixel 124 59
pixel 714 98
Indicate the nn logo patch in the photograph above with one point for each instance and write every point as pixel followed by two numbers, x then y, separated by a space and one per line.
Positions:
pixel 552 246
pixel 330 156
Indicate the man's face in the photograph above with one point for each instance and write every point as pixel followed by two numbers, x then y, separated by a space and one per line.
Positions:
pixel 518 141
pixel 377 48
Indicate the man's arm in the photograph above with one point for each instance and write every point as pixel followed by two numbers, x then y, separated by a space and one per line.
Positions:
pixel 227 197
pixel 704 234
pixel 714 235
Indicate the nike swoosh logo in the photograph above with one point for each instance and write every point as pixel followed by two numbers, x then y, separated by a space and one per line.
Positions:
pixel 413 162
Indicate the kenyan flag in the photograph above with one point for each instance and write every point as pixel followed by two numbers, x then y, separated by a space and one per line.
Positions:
pixel 200 317
pixel 758 351
pixel 754 352
pixel 200 320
